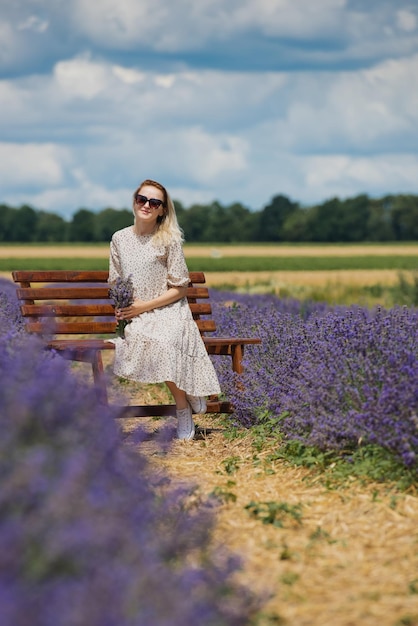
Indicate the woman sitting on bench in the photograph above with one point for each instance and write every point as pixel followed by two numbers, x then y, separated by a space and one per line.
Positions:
pixel 162 342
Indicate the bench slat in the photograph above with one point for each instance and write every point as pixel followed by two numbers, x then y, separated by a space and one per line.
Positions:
pixel 80 310
pixel 216 342
pixel 67 310
pixel 51 325
pixel 78 276
pixel 55 276
pixel 63 293
pixel 85 293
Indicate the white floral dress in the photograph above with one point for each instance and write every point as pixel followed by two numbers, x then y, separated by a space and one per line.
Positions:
pixel 163 344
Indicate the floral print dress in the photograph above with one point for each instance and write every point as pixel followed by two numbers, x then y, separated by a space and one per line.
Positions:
pixel 163 344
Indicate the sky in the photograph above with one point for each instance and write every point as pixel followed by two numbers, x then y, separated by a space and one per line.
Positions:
pixel 227 100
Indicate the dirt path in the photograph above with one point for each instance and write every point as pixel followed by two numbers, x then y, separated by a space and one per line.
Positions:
pixel 352 559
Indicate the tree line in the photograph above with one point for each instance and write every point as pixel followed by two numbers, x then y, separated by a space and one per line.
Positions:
pixel 360 218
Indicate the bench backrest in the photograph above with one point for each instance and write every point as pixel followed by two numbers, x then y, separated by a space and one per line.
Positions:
pixel 62 302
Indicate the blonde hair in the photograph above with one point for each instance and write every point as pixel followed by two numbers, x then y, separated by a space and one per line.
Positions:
pixel 168 228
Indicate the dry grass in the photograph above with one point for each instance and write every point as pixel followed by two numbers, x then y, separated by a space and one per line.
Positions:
pixel 352 560
pixel 318 278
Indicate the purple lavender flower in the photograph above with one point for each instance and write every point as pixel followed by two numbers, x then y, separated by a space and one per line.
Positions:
pixel 11 319
pixel 89 533
pixel 122 295
pixel 332 377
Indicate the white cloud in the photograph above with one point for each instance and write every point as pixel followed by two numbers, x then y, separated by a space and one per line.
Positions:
pixel 120 24
pixel 34 23
pixel 186 25
pixel 31 164
pixel 406 20
pixel 364 111
pixel 9 48
pixel 290 18
pixel 81 78
pixel 344 175
pixel 67 200
pixel 128 75
pixel 199 156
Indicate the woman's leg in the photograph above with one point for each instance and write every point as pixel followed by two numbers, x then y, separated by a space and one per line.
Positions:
pixel 185 424
pixel 178 394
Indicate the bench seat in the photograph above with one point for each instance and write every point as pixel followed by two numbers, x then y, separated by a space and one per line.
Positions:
pixel 72 312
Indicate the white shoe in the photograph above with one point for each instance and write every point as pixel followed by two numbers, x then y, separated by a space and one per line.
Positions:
pixel 197 403
pixel 185 424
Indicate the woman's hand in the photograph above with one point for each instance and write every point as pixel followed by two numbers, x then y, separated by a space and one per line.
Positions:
pixel 141 306
pixel 128 312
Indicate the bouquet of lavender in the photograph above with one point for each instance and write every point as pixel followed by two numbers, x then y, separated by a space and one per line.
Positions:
pixel 122 295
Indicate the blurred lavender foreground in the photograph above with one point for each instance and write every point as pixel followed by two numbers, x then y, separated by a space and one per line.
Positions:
pixel 88 535
pixel 334 378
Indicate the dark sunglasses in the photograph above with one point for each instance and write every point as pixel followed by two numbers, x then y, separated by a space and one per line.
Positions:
pixel 154 203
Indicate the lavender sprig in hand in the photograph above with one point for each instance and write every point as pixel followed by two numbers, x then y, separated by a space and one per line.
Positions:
pixel 122 295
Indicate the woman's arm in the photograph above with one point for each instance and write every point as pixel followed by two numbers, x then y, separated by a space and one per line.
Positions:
pixel 114 263
pixel 141 306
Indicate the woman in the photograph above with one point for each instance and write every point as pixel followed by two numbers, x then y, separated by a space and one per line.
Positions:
pixel 162 343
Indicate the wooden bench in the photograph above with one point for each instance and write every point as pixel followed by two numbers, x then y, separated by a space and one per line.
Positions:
pixel 72 311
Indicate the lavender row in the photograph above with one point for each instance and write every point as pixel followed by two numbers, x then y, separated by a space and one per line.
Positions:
pixel 335 377
pixel 88 533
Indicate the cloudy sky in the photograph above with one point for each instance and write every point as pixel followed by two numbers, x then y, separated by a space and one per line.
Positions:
pixel 233 100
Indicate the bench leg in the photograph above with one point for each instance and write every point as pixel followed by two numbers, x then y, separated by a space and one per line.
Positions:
pixel 98 377
pixel 237 356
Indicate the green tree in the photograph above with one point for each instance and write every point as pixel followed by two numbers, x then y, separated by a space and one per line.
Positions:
pixel 296 226
pixel 109 221
pixel 273 216
pixel 82 227
pixel 6 221
pixel 23 224
pixel 404 216
pixel 355 214
pixel 379 225
pixel 243 223
pixel 193 222
pixel 51 227
pixel 324 221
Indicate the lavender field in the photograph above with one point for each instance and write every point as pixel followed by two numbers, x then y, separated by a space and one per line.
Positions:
pixel 83 516
pixel 334 378
pixel 89 534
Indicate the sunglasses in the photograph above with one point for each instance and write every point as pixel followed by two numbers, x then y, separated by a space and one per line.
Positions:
pixel 154 203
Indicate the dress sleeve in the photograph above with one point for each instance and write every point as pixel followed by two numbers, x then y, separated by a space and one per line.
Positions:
pixel 114 262
pixel 177 271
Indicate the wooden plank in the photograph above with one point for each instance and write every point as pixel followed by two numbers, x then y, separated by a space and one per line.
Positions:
pixel 63 293
pixel 51 326
pixel 84 293
pixel 53 276
pixel 214 342
pixel 67 310
pixel 206 326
